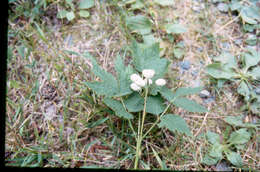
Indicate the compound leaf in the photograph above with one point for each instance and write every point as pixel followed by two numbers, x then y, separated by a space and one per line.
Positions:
pixel 189 105
pixel 240 136
pixel 175 123
pixel 118 108
pixel 154 105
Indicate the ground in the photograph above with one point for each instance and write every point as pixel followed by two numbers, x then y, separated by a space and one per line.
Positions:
pixel 54 120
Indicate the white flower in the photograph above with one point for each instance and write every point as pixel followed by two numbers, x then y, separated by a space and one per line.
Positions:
pixel 148 81
pixel 137 80
pixel 160 82
pixel 135 87
pixel 134 77
pixel 148 73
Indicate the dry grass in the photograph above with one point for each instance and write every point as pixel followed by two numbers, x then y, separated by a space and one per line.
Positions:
pixel 48 108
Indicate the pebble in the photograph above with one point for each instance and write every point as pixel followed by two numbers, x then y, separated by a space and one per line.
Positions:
pixel 185 65
pixel 204 94
pixel 222 7
pixel 257 91
pixel 223 166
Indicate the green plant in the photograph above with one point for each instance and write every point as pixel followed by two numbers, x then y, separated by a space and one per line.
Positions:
pixel 71 10
pixel 130 95
pixel 230 142
pixel 245 72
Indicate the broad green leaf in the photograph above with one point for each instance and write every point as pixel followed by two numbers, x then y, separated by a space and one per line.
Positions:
pixel 250 14
pixel 234 158
pixel 175 28
pixel 118 108
pixel 175 123
pixel 149 39
pixel 213 137
pixel 255 107
pixel 134 102
pixel 70 15
pixel 234 120
pixel 167 94
pixel 84 13
pixel 62 14
pixel 154 105
pixel 164 2
pixel 255 73
pixel 184 91
pixel 240 136
pixel 178 52
pixel 244 90
pixel 235 5
pixel 208 160
pixel 137 5
pixel 109 86
pixel 216 70
pixel 227 59
pixel 216 150
pixel 149 58
pixel 189 105
pixel 123 77
pixel 86 4
pixel 70 3
pixel 251 58
pixel 139 23
pixel 103 88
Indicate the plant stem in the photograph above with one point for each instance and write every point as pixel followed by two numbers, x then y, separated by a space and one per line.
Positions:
pixel 140 132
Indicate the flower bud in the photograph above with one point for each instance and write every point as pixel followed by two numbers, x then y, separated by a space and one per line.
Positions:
pixel 140 82
pixel 160 82
pixel 148 73
pixel 135 87
pixel 134 77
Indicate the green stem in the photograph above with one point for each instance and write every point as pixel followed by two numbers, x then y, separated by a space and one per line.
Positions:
pixel 140 132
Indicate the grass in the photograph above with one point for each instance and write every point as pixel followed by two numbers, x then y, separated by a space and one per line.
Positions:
pixel 44 82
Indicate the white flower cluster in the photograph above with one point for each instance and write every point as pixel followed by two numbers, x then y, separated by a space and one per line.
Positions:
pixel 139 82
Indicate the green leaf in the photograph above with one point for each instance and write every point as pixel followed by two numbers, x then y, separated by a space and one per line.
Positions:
pixel 235 5
pixel 167 94
pixel 208 160
pixel 178 52
pixel 234 120
pixel 139 23
pixel 217 70
pixel 250 14
pixel 109 86
pixel 149 39
pixel 251 58
pixel 118 108
pixel 216 150
pixel 213 137
pixel 103 88
pixel 234 158
pixel 164 2
pixel 255 73
pixel 244 90
pixel 154 105
pixel 175 123
pixel 123 77
pixel 84 13
pixel 189 105
pixel 240 136
pixel 86 4
pixel 149 58
pixel 227 59
pixel 175 28
pixel 162 163
pixel 184 91
pixel 137 5
pixel 62 14
pixel 134 102
pixel 70 15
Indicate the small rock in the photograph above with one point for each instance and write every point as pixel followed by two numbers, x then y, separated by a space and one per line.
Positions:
pixel 204 94
pixel 257 91
pixel 185 65
pixel 223 166
pixel 222 7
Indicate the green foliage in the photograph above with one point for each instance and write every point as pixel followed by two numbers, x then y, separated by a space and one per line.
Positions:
pixel 175 123
pixel 247 75
pixel 118 108
pixel 235 139
pixel 164 2
pixel 175 28
pixel 139 24
pixel 69 11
